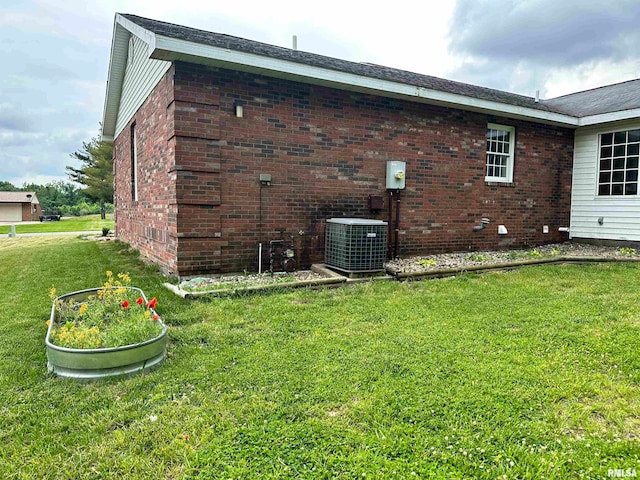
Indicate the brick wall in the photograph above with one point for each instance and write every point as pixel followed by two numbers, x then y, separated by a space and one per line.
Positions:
pixel 197 166
pixel 29 213
pixel 149 224
pixel 326 151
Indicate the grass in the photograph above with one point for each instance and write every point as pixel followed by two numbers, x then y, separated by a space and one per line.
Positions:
pixel 526 374
pixel 67 224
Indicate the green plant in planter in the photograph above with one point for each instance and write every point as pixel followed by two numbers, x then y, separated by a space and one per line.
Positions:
pixel 113 317
pixel 105 231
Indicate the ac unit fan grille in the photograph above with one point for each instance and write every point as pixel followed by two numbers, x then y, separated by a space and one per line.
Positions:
pixel 356 245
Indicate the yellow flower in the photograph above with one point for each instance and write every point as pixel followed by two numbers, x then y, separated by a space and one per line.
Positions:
pixel 124 277
pixel 48 322
pixel 109 273
pixel 52 293
pixel 83 308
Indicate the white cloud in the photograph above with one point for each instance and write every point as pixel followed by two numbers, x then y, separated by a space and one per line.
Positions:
pixel 590 75
pixel 38 179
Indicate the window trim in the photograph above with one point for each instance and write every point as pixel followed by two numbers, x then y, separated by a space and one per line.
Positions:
pixel 134 163
pixel 510 160
pixel 597 194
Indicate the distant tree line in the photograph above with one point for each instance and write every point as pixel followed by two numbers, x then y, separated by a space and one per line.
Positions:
pixel 64 197
pixel 95 174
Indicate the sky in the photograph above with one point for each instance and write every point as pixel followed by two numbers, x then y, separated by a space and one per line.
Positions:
pixel 55 54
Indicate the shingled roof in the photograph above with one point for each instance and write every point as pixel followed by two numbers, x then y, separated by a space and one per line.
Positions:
pixel 169 42
pixel 18 197
pixel 365 69
pixel 607 99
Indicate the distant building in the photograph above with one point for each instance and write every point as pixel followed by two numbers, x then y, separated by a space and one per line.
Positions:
pixel 19 207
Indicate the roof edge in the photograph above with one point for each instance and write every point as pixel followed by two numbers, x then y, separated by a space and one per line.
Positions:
pixel 616 116
pixel 170 48
pixel 122 31
pixel 173 49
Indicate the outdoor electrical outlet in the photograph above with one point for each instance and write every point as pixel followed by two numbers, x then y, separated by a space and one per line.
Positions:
pixel 545 229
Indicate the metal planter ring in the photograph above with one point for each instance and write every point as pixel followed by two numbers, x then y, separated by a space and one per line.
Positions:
pixel 90 364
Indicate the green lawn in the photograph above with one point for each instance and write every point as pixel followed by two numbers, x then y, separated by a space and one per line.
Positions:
pixel 71 224
pixel 527 374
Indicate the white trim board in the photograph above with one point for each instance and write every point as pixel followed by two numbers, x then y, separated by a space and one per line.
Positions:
pixel 172 49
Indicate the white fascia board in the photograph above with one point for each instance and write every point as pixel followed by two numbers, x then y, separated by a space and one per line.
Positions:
pixel 609 117
pixel 142 33
pixel 169 49
pixel 113 87
pixel 122 31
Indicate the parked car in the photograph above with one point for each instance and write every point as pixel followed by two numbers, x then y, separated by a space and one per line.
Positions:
pixel 50 216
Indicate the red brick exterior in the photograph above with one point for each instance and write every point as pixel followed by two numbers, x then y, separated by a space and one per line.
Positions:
pixel 31 212
pixel 202 207
pixel 149 224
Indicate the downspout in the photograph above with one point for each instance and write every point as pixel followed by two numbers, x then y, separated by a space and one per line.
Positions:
pixel 260 228
pixel 397 225
pixel 389 223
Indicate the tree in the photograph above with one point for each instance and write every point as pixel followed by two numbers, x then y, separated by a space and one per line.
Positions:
pixel 8 187
pixel 56 195
pixel 96 172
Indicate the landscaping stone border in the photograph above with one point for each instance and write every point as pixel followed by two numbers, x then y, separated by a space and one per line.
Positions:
pixel 447 272
pixel 334 279
pixel 223 292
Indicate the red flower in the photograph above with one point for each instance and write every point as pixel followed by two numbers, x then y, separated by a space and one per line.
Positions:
pixel 152 303
pixel 125 304
pixel 140 301
pixel 156 316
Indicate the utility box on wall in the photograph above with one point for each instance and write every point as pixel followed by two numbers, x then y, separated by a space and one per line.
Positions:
pixel 396 172
pixel 355 245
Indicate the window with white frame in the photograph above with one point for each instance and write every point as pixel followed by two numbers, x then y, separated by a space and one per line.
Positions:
pixel 500 147
pixel 618 166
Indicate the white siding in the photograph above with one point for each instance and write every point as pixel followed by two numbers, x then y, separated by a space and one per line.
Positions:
pixel 621 214
pixel 140 76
